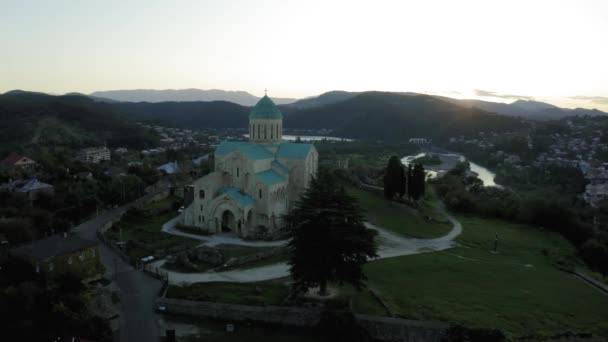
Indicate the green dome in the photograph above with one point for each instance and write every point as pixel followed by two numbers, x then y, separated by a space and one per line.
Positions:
pixel 265 109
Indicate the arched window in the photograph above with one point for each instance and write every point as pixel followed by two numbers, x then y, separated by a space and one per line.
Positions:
pixel 265 136
pixel 258 136
pixel 271 132
pixel 237 172
pixel 277 128
pixel 260 193
pixel 201 194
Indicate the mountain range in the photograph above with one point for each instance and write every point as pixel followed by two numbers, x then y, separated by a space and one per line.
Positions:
pixel 77 120
pixel 242 98
pixel 367 115
pixel 528 109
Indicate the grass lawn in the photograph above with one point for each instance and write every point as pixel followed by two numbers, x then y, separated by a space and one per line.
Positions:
pixel 395 217
pixel 271 292
pixel 235 251
pixel 146 231
pixel 264 262
pixel 519 290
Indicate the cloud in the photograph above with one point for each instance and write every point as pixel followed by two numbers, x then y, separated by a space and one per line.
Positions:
pixel 487 93
pixel 593 99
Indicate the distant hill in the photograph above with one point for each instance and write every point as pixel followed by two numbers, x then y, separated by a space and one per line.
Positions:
pixel 397 116
pixel 216 114
pixel 533 110
pixel 368 115
pixel 242 98
pixel 323 99
pixel 75 121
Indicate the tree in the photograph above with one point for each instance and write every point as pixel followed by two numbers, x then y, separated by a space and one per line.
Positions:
pixel 418 180
pixel 410 182
pixel 393 178
pixel 328 240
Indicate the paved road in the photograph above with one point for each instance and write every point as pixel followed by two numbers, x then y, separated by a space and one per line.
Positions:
pixel 138 291
pixel 391 245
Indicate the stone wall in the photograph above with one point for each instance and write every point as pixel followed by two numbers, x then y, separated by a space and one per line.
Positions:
pixel 293 316
pixel 397 329
pixel 380 328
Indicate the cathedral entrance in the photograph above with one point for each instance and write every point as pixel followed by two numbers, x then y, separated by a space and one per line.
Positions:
pixel 228 221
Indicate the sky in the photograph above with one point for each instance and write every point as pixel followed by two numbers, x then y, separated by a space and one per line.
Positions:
pixel 553 51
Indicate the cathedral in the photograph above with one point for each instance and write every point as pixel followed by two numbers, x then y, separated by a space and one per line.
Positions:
pixel 254 183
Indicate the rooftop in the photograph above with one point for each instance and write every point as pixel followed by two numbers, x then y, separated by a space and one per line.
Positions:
pixel 270 177
pixel 293 150
pixel 252 151
pixel 265 109
pixel 237 195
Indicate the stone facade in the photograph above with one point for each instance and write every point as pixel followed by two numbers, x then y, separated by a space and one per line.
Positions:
pixel 254 183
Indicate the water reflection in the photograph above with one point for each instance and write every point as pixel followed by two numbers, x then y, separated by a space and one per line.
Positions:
pixel 448 161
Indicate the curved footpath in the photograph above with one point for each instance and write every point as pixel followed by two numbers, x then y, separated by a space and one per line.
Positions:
pixel 391 245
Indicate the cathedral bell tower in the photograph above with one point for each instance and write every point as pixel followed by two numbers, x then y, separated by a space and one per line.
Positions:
pixel 265 122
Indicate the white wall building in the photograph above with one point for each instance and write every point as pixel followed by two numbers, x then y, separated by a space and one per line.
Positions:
pixel 254 183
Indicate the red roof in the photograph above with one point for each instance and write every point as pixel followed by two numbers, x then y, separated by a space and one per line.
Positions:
pixel 11 159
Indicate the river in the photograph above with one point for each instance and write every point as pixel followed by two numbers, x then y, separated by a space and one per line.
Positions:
pixel 448 161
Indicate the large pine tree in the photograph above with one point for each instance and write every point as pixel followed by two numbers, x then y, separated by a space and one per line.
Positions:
pixel 328 241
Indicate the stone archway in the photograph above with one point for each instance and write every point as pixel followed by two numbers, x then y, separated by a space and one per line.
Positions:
pixel 228 221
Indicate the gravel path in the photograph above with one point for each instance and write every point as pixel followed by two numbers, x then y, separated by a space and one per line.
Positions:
pixel 390 245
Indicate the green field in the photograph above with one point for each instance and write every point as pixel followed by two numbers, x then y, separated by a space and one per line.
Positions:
pixel 146 231
pixel 519 290
pixel 398 218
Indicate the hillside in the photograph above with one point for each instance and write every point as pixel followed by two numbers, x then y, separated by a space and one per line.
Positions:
pixel 242 98
pixel 217 114
pixel 73 121
pixel 533 110
pixel 392 116
pixel 370 115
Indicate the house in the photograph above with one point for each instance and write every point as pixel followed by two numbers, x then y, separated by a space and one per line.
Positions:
pixel 121 150
pixel 63 253
pixel 169 168
pixel 94 154
pixel 15 162
pixel 31 188
pixel 198 161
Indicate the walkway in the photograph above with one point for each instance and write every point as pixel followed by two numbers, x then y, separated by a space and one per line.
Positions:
pixel 391 245
pixel 218 239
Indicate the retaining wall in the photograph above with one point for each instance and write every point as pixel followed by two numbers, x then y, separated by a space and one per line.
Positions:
pixel 380 328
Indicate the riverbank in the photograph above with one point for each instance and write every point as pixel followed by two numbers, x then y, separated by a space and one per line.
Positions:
pixel 449 160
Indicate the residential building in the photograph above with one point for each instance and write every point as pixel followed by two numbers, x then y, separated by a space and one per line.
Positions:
pixel 31 188
pixel 15 162
pixel 62 253
pixel 94 154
